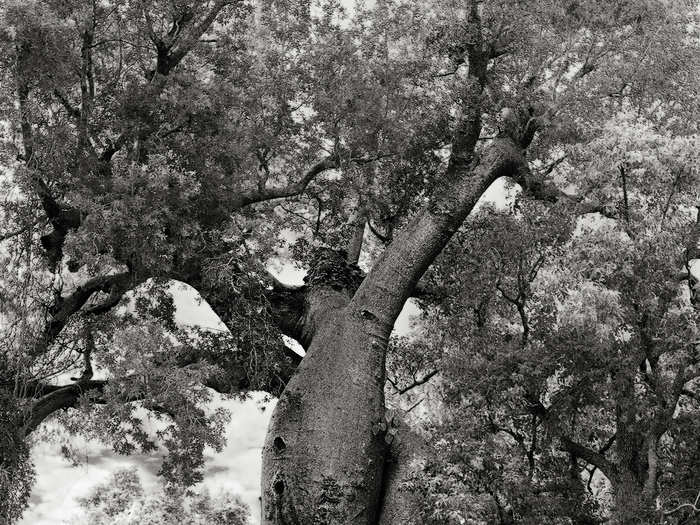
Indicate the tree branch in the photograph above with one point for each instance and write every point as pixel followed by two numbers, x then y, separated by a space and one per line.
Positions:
pixel 197 31
pixel 692 506
pixel 396 273
pixel 58 399
pixel 87 85
pixel 265 194
pixel 384 238
pixel 597 459
pixel 68 396
pixel 417 382
pixel 592 457
pixel 64 307
pixel 70 109
pixel 169 53
pixel 14 233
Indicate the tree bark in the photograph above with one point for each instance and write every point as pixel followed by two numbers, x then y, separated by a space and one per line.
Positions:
pixel 325 451
pixel 406 460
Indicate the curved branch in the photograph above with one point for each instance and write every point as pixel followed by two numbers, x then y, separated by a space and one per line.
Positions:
pixel 692 506
pixel 58 399
pixel 384 238
pixel 396 273
pixel 68 396
pixel 266 194
pixel 65 307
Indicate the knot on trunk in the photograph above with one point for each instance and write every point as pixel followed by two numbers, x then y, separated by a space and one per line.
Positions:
pixel 330 269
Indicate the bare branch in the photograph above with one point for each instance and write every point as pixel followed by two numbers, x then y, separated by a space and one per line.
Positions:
pixel 692 506
pixel 417 382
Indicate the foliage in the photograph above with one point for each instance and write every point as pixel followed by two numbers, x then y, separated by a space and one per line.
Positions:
pixel 150 142
pixel 578 332
pixel 123 500
pixel 16 468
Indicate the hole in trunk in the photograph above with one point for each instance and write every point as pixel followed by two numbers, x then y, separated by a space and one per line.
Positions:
pixel 279 444
pixel 278 487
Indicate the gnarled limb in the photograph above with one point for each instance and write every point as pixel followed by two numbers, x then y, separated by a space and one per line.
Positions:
pixel 59 398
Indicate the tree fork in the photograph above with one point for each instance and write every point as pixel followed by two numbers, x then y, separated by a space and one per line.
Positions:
pixel 323 462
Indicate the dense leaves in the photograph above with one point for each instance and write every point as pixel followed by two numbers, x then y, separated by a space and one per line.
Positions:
pixel 123 500
pixel 146 143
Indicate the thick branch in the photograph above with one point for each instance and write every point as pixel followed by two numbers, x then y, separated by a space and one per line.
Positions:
pixel 397 272
pixel 287 304
pixel 170 54
pixel 192 39
pixel 594 458
pixel 357 238
pixel 590 456
pixel 55 398
pixel 58 399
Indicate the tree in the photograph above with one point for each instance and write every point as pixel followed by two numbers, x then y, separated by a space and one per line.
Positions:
pixel 122 500
pixel 393 119
pixel 579 354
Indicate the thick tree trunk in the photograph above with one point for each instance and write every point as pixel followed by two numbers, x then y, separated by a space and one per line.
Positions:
pixel 632 505
pixel 635 477
pixel 324 456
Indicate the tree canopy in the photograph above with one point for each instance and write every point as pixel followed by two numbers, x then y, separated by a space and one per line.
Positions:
pixel 122 500
pixel 147 143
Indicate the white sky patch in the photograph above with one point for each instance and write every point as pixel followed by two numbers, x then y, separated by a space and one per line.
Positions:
pixel 236 469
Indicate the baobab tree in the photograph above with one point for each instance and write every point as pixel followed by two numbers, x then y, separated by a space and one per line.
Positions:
pixel 150 142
